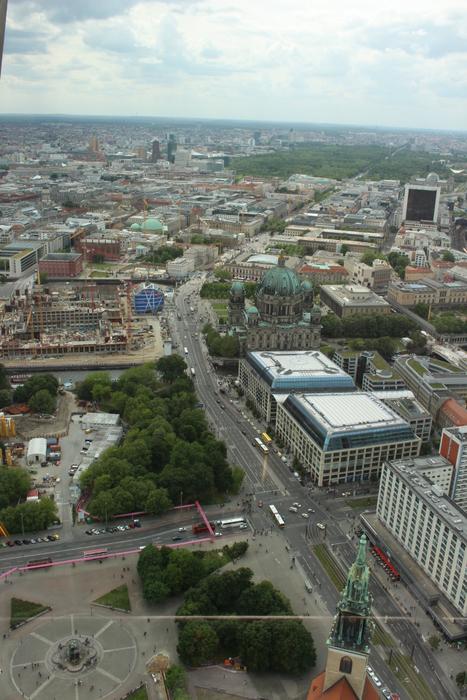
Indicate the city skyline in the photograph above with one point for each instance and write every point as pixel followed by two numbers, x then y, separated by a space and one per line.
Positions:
pixel 393 67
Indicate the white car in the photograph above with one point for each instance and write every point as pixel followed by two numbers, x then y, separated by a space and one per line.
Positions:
pixel 305 515
pixel 297 505
pixel 321 526
pixel 218 534
pixel 377 682
pixel 182 529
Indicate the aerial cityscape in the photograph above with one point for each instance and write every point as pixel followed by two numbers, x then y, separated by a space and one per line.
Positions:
pixel 233 358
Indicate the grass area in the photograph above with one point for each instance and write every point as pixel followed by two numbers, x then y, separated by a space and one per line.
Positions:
pixel 24 610
pixel 220 307
pixel 116 598
pixel 329 565
pixel 358 503
pixel 96 273
pixel 139 694
pixel 414 364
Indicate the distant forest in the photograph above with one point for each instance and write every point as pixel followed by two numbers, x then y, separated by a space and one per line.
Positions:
pixel 340 162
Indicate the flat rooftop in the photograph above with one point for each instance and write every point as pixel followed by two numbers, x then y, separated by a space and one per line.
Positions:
pixel 353 295
pixel 447 511
pixel 347 420
pixel 61 257
pixel 298 369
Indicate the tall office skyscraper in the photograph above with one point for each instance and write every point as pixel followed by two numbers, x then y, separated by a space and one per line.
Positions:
pixel 156 151
pixel 3 5
pixel 171 148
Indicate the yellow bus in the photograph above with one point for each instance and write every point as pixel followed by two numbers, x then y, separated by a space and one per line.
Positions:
pixel 266 439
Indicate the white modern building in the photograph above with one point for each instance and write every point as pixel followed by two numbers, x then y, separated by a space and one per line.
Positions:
pixel 428 525
pixel 263 374
pixel 453 446
pixel 343 437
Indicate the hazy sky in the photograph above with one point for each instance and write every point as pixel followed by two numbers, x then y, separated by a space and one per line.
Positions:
pixel 401 63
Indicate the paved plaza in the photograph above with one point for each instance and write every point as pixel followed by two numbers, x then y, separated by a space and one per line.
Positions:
pixel 116 649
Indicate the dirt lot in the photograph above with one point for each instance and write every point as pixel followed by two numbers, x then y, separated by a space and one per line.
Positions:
pixel 30 426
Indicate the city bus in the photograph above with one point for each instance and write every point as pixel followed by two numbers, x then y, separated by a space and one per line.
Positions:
pixel 276 515
pixel 185 350
pixel 233 522
pixel 192 370
pixel 266 439
pixel 260 445
pixel 95 553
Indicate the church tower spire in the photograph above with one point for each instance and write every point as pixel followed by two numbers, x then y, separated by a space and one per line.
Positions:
pixel 348 643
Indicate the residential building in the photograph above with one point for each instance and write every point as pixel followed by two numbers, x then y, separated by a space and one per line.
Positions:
pixel 61 264
pixel 180 268
pixel 263 375
pixel 402 401
pixel 432 381
pixel 451 414
pixel 375 276
pixel 107 247
pixel 322 273
pixel 345 437
pixel 429 526
pixel 416 274
pixel 453 446
pixel 350 299
pixel 349 361
pixel 378 375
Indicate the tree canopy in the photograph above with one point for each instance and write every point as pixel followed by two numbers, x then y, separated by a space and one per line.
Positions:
pixel 264 645
pixel 168 448
pixel 367 326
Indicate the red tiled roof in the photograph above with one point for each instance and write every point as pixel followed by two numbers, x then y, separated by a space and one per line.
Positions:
pixel 456 413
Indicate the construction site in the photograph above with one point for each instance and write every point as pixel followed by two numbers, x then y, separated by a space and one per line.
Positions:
pixel 58 321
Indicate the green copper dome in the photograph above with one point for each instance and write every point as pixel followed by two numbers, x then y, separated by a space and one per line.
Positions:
pixel 307 286
pixel 252 311
pixel 280 281
pixel 135 227
pixel 153 225
pixel 237 288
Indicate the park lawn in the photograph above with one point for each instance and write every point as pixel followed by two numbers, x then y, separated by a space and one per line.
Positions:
pixel 139 694
pixel 220 307
pixel 96 273
pixel 24 610
pixel 358 503
pixel 116 598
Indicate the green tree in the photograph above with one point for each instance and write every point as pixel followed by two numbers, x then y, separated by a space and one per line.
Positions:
pixel 84 389
pixel 263 599
pixel 255 646
pixel 292 648
pixel 157 502
pixel 235 550
pixel 171 368
pixel 198 643
pixel 421 310
pixel 344 249
pixel 448 256
pixel 222 274
pixel 434 641
pixel 5 397
pixel 42 402
pixel 36 383
pixel 14 485
pixel 461 678
pixel 155 591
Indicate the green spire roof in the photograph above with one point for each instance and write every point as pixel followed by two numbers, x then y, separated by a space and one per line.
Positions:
pixel 352 627
pixel 280 281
